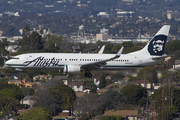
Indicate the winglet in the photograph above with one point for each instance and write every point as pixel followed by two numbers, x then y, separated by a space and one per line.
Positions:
pixel 119 52
pixel 101 50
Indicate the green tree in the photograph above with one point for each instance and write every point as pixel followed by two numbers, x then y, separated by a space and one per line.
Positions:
pixel 32 73
pixel 26 31
pixel 87 105
pixel 5 41
pixel 46 100
pixel 99 43
pixel 102 83
pixel 93 88
pixel 36 41
pixel 116 47
pixel 37 113
pixel 134 94
pixel 172 46
pixel 148 73
pixel 28 91
pixel 41 31
pixel 117 77
pixel 24 43
pixel 165 75
pixel 157 97
pixel 131 78
pixel 127 44
pixel 8 71
pixel 4 85
pixel 3 51
pixel 64 96
pixel 55 43
pixel 108 48
pixel 173 111
pixel 11 92
pixel 1 61
pixel 7 105
pixel 112 99
pixel 176 99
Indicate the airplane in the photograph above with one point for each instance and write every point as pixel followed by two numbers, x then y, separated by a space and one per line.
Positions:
pixel 151 54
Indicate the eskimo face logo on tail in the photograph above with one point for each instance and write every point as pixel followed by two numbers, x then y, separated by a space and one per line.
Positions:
pixel 157 44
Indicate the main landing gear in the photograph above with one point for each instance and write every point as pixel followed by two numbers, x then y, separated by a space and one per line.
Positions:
pixel 88 74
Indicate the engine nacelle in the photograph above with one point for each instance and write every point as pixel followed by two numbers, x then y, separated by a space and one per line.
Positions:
pixel 72 69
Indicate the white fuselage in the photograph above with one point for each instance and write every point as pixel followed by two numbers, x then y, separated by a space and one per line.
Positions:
pixel 151 54
pixel 59 60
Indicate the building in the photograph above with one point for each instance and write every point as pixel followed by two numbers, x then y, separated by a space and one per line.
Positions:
pixel 104 31
pixel 76 85
pixel 12 48
pixel 126 114
pixel 13 39
pixel 151 87
pixel 103 14
pixel 125 14
pixel 143 83
pixel 102 37
pixel 121 40
pixel 176 65
pixel 29 101
pixel 171 14
pixel 63 79
pixel 42 77
pixel 25 83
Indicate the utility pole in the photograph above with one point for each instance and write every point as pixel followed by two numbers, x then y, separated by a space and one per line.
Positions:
pixel 21 85
pixel 152 109
pixel 21 90
pixel 147 106
pixel 166 100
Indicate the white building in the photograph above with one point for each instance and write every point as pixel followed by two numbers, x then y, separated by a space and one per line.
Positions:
pixel 102 37
pixel 121 40
pixel 123 14
pixel 176 65
pixel 103 14
pixel 11 48
pixel 76 85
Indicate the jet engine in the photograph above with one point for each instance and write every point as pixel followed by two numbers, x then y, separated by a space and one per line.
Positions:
pixel 72 69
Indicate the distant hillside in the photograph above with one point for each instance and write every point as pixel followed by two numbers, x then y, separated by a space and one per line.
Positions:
pixel 148 8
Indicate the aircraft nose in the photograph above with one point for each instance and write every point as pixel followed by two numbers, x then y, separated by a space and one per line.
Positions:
pixel 8 62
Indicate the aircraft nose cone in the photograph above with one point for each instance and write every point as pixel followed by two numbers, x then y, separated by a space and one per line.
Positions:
pixel 8 63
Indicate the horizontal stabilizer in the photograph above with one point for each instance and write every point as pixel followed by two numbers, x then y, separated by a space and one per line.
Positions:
pixel 159 57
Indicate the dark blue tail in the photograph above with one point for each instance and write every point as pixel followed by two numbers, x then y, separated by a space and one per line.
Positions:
pixel 157 43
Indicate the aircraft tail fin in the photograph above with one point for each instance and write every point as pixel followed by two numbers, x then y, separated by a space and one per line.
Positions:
pixel 156 45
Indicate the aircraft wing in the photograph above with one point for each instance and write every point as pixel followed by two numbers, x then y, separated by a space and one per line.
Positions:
pixel 98 64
